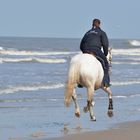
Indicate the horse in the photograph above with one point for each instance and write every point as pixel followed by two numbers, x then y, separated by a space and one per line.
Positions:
pixel 86 70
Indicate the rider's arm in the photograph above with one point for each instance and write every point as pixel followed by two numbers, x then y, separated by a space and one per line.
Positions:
pixel 105 43
pixel 83 44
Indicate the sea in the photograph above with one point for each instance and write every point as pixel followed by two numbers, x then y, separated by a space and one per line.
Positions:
pixel 33 72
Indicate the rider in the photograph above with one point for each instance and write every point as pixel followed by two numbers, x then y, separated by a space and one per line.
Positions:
pixel 93 41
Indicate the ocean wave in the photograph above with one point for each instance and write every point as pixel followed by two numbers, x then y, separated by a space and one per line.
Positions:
pixel 125 83
pixel 132 95
pixel 118 96
pixel 31 59
pixel 36 87
pixel 135 95
pixel 1 48
pixel 126 63
pixel 135 59
pixel 61 99
pixel 134 42
pixel 30 100
pixel 129 52
pixel 127 96
pixel 15 52
pixel 31 53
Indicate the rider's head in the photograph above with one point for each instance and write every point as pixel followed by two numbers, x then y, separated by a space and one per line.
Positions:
pixel 96 23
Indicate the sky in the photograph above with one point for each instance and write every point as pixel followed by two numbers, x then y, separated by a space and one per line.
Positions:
pixel 69 18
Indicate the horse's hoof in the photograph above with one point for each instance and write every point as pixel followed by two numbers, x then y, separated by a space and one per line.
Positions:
pixel 77 114
pixel 85 109
pixel 110 113
pixel 93 118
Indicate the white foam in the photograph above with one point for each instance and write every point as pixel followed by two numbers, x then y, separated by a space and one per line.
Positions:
pixel 134 42
pixel 127 96
pixel 125 83
pixel 129 63
pixel 129 52
pixel 32 59
pixel 50 60
pixel 135 59
pixel 15 89
pixel 135 95
pixel 120 96
pixel 31 53
pixel 1 48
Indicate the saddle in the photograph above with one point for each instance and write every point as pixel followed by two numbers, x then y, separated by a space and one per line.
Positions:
pixel 99 59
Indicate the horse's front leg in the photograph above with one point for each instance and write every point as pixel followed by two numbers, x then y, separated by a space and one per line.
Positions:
pixel 77 109
pixel 110 106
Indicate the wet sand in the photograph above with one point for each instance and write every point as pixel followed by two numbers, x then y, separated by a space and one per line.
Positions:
pixel 126 131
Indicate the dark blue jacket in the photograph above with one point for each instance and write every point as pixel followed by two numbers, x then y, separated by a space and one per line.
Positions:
pixel 94 40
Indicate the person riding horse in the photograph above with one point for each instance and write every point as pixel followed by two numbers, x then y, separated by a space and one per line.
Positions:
pixel 86 70
pixel 92 43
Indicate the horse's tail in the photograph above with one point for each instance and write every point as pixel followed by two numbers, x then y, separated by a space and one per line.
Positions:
pixel 70 84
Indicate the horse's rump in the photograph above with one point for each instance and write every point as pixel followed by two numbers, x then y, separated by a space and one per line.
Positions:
pixel 85 70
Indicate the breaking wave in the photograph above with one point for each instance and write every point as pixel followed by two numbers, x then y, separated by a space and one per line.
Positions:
pixel 122 96
pixel 130 52
pixel 30 53
pixel 15 52
pixel 31 59
pixel 134 42
pixel 1 49
pixel 125 83
pixel 15 89
pixel 126 63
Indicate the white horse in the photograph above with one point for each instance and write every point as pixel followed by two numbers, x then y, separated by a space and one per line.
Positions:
pixel 87 71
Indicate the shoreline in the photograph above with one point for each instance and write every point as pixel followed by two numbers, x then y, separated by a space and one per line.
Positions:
pixel 123 131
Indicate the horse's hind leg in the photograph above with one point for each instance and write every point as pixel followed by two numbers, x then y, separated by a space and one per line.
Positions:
pixel 90 104
pixel 110 106
pixel 77 110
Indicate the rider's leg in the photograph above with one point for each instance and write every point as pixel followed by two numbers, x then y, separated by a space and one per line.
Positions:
pixel 106 79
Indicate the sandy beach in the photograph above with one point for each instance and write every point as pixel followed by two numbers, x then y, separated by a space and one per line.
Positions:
pixel 126 131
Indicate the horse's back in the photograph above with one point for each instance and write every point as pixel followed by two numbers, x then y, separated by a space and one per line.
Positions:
pixel 87 67
pixel 86 61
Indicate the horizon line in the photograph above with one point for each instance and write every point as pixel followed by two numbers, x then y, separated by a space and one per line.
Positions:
pixel 61 37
